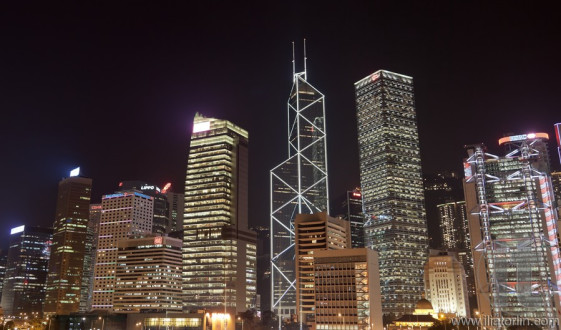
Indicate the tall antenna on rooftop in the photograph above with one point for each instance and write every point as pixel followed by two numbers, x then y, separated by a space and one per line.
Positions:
pixel 305 58
pixel 293 63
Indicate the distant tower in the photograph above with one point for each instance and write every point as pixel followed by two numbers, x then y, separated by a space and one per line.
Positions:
pixel 513 229
pixel 298 185
pixel 123 214
pixel 160 222
pixel 89 259
pixel 558 136
pixel 176 205
pixel 454 226
pixel 392 186
pixel 26 270
pixel 349 207
pixel 3 260
pixel 219 251
pixel 69 248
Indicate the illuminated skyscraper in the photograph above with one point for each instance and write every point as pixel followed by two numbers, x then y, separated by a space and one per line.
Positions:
pixel 513 229
pixel 3 260
pixel 69 248
pixel 452 218
pixel 453 224
pixel 298 185
pixel 392 186
pixel 219 251
pixel 26 270
pixel 123 214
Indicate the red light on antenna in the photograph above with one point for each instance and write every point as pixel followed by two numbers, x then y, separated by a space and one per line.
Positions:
pixel 166 187
pixel 120 184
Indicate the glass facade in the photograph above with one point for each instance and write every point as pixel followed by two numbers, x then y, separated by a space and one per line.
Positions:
pixel 453 225
pixel 218 249
pixel 514 228
pixel 89 259
pixel 298 185
pixel 26 271
pixel 70 249
pixel 453 222
pixel 392 186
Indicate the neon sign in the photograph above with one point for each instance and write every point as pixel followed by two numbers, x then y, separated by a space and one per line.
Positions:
pixel 147 187
pixel 522 137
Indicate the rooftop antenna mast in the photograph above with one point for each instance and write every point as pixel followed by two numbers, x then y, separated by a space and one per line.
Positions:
pixel 293 64
pixel 305 58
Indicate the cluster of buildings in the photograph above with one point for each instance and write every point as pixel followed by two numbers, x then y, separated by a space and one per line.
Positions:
pixel 148 257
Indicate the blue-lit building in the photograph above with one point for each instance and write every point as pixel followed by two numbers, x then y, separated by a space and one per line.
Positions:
pixel 26 271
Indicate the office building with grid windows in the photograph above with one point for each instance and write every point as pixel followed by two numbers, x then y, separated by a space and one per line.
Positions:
pixel 219 251
pixel 392 186
pixel 123 214
pixel 69 249
pixel 347 290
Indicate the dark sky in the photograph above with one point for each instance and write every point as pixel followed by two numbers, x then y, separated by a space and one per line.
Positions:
pixel 113 86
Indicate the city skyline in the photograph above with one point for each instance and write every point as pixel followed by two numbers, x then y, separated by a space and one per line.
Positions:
pixel 55 78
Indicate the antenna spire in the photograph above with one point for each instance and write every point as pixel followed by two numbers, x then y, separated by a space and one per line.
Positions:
pixel 293 63
pixel 305 58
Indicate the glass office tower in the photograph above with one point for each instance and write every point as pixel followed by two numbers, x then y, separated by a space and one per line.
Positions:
pixel 513 229
pixel 392 186
pixel 298 185
pixel 219 251
pixel 69 249
pixel 23 293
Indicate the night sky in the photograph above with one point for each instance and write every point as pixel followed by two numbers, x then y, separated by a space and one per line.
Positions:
pixel 113 86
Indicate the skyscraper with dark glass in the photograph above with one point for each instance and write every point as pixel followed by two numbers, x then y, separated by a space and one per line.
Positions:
pixel 69 249
pixel 219 251
pixel 26 271
pixel 298 185
pixel 392 186
pixel 349 207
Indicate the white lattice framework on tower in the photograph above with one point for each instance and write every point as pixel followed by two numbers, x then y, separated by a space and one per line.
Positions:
pixel 298 185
